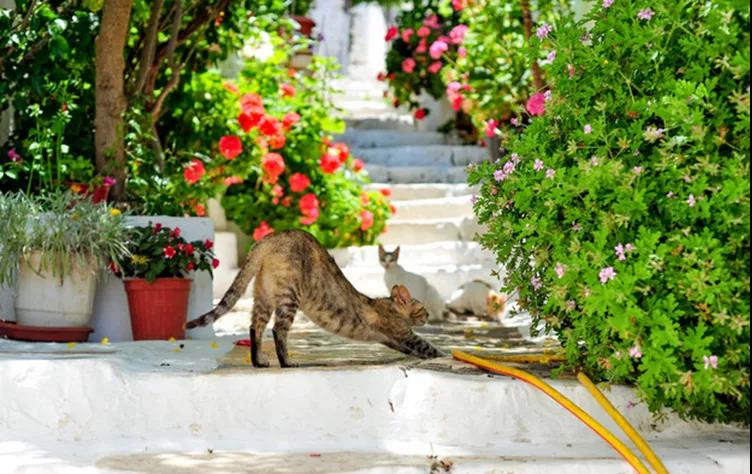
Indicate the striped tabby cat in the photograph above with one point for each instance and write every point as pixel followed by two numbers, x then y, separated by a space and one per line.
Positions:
pixel 293 271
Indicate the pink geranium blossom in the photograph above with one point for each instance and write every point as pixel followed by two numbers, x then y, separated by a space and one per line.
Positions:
pixel 536 104
pixel 691 201
pixel 491 128
pixel 408 65
pixel 457 34
pixel 607 3
pixel 461 52
pixel 560 270
pixel 438 48
pixel 710 361
pixel 423 31
pixel 391 33
pixel 538 165
pixel 543 31
pixel 645 14
pixel 587 129
pixel 406 34
pixel 550 173
pixel 607 274
pixel 435 67
pixel 635 352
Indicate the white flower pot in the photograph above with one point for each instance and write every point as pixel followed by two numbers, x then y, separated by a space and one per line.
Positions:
pixel 45 300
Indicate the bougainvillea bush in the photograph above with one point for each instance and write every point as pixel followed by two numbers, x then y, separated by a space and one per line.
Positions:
pixel 263 141
pixel 623 212
pixel 424 40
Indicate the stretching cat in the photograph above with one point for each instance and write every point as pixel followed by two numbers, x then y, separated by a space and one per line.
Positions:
pixel 294 271
pixel 419 287
pixel 478 298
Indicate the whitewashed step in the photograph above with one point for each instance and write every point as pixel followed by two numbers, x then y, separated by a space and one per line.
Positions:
pixel 408 191
pixel 360 138
pixel 446 279
pixel 226 249
pixel 443 253
pixel 423 231
pixel 417 174
pixel 382 122
pixel 436 208
pixel 422 155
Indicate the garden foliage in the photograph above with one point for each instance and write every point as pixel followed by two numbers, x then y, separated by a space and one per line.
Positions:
pixel 622 211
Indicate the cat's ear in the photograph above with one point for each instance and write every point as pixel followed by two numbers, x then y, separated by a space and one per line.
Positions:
pixel 381 251
pixel 401 295
pixel 396 253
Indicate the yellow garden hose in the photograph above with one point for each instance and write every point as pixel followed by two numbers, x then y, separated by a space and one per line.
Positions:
pixel 599 429
pixel 528 358
pixel 609 408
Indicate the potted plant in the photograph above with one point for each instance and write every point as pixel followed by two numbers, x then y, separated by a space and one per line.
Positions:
pixel 53 247
pixel 156 279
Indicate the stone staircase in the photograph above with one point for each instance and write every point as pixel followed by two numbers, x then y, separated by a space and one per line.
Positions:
pixel 425 171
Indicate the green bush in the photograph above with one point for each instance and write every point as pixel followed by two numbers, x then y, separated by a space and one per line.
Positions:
pixel 623 212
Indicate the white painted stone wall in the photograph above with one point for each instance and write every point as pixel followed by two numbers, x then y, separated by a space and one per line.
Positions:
pixel 333 29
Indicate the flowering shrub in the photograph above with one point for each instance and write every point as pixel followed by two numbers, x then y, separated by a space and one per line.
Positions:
pixel 623 209
pixel 427 38
pixel 265 145
pixel 160 252
pixel 496 74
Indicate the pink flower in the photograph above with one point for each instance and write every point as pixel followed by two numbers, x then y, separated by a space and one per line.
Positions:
pixel 453 87
pixel 560 270
pixel 366 220
pixel 262 231
pixel 576 227
pixel 670 194
pixel 299 182
pixel 630 248
pixel 538 165
pixel 619 249
pixel 635 352
pixel 571 305
pixel 423 31
pixel 432 21
pixel 407 33
pixel 550 173
pixel 459 5
pixel 461 52
pixel 230 180
pixel 290 119
pixel 536 104
pixel 357 165
pixel 109 181
pixel 710 361
pixel 637 170
pixel 515 121
pixel 435 67
pixel 570 70
pixel 391 33
pixel 645 14
pixel 310 218
pixel 535 281
pixel 13 155
pixel 551 57
pixel 587 129
pixel 287 90
pixel 457 34
pixel 543 31
pixel 421 46
pixel 438 48
pixel 607 274
pixel 607 3
pixel 491 128
pixel 691 200
pixel 408 65
pixel 273 165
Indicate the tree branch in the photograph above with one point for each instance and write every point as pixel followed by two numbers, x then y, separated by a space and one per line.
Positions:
pixel 150 46
pixel 527 23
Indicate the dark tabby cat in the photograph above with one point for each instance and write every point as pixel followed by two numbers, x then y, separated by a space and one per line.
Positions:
pixel 293 271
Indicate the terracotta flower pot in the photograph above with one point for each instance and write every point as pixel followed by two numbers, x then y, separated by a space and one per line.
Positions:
pixel 158 309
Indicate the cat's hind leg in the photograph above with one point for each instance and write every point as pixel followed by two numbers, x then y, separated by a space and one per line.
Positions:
pixel 284 315
pixel 262 312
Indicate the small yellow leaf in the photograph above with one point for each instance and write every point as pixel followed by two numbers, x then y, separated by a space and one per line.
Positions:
pixel 71 345
pixel 105 341
pixel 214 345
pixel 172 339
pixel 177 349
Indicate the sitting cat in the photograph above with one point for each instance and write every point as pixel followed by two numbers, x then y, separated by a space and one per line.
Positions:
pixel 293 271
pixel 478 298
pixel 419 287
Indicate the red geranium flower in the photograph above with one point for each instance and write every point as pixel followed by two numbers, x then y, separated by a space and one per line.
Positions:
pixel 230 180
pixel 344 151
pixel 190 267
pixel 366 220
pixel 250 118
pixel 262 231
pixel 277 141
pixel 199 209
pixel 386 192
pixel 274 165
pixel 420 114
pixel 188 249
pixel 251 101
pixel 310 218
pixel 287 90
pixel 299 182
pixel 381 76
pixel 208 244
pixel 194 171
pixel 290 119
pixel 308 202
pixel 391 33
pixel 536 104
pixel 175 232
pixel 230 146
pixel 269 126
pixel 357 165
pixel 169 252
pixel 215 262
pixel 330 161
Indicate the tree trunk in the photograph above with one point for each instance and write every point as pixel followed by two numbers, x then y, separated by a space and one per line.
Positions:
pixel 527 24
pixel 110 93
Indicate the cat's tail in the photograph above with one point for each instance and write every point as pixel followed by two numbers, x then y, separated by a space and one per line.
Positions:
pixel 233 294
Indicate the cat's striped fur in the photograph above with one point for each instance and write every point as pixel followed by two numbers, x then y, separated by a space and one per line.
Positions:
pixel 293 271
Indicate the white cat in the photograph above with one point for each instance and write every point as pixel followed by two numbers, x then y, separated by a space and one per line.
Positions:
pixel 418 286
pixel 479 299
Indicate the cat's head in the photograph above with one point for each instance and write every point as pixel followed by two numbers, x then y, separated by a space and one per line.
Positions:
pixel 495 303
pixel 387 259
pixel 407 307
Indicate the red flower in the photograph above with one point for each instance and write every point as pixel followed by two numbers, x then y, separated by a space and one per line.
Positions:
pixel 420 114
pixel 251 101
pixel 290 119
pixel 330 161
pixel 190 267
pixel 310 218
pixel 175 232
pixel 391 33
pixel 230 180
pixel 157 227
pixel 344 151
pixel 274 165
pixel 381 76
pixel 199 209
pixel 366 220
pixel 250 118
pixel 357 165
pixel 408 65
pixel 299 182
pixel 277 192
pixel 286 201
pixel 287 90
pixel 230 146
pixel 188 249
pixel 208 244
pixel 194 171
pixel 392 209
pixel 277 141
pixel 291 72
pixel 386 192
pixel 309 205
pixel 491 126
pixel 269 126
pixel 434 67
pixel 215 262
pixel 169 252
pixel 364 199
pixel 536 104
pixel 262 231
pixel 231 87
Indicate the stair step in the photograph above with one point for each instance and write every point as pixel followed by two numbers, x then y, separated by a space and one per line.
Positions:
pixel 362 138
pixel 441 253
pixel 423 231
pixel 417 174
pixel 435 208
pixel 422 155
pixel 409 191
pixel 382 122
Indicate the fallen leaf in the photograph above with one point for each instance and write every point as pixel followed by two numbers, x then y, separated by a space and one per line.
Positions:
pixel 105 341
